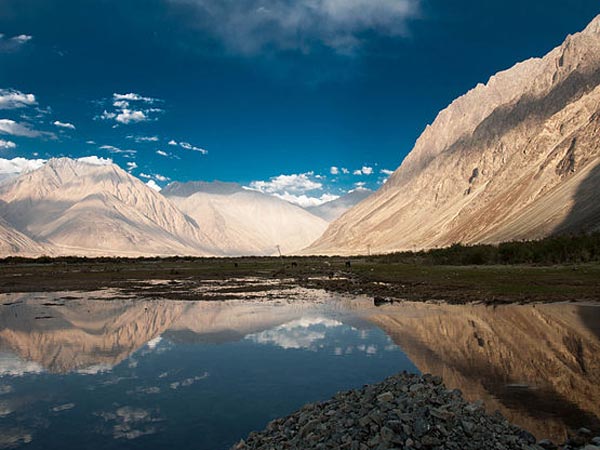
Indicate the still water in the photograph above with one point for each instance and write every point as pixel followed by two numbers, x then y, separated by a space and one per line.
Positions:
pixel 85 371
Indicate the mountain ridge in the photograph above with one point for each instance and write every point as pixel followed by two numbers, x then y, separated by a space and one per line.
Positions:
pixel 522 142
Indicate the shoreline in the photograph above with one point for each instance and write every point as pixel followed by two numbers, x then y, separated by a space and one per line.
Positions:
pixel 404 411
pixel 359 276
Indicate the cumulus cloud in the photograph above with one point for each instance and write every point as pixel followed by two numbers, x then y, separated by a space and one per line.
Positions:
pixel 294 188
pixel 250 26
pixel 19 165
pixel 13 99
pixel 7 145
pixel 131 165
pixel 131 108
pixel 13 128
pixel 60 124
pixel 96 160
pixel 188 146
pixel 9 44
pixel 305 201
pixel 364 170
pixel 161 153
pixel 295 184
pixel 334 170
pixel 386 172
pixel 152 185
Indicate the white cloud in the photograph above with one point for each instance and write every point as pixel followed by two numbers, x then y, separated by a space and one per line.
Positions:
pixel 19 165
pixel 364 170
pixel 345 171
pixel 334 170
pixel 360 185
pixel 173 142
pixel 143 138
pixel 161 153
pixel 188 146
pixel 131 97
pixel 13 43
pixel 294 184
pixel 127 116
pixel 7 145
pixel 13 128
pixel 96 160
pixel 294 188
pixel 22 38
pixel 154 177
pixel 131 165
pixel 152 185
pixel 60 124
pixel 386 172
pixel 13 99
pixel 113 149
pixel 90 142
pixel 250 26
pixel 306 201
pixel 124 113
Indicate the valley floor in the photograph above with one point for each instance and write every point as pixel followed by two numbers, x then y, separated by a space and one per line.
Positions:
pixel 179 278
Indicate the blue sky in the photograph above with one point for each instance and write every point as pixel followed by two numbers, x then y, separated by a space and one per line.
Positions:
pixel 268 93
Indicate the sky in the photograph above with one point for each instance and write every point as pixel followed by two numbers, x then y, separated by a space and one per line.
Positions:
pixel 306 99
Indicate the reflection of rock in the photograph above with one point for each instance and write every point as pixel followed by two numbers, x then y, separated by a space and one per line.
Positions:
pixel 537 364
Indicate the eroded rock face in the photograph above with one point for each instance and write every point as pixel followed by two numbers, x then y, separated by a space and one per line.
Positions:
pixel 515 158
pixel 536 364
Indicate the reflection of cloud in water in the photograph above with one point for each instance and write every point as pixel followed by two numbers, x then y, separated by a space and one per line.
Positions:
pixel 95 369
pixel 12 365
pixel 65 407
pixel 152 343
pixel 14 437
pixel 188 381
pixel 131 423
pixel 5 409
pixel 5 389
pixel 298 334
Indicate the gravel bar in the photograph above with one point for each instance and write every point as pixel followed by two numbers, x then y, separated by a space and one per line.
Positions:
pixel 405 411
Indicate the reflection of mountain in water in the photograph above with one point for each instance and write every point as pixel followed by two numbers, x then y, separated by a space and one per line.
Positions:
pixel 87 335
pixel 83 335
pixel 537 364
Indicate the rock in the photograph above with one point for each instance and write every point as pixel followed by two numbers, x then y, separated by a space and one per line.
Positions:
pixel 527 437
pixel 428 416
pixel 547 444
pixel 385 397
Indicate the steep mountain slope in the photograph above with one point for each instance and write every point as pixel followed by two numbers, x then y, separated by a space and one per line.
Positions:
pixel 334 209
pixel 86 209
pixel 246 222
pixel 13 243
pixel 517 158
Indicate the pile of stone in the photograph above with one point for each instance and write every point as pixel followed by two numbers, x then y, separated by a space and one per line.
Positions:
pixel 406 412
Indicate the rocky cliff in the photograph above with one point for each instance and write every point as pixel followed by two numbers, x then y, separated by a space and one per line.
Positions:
pixel 516 158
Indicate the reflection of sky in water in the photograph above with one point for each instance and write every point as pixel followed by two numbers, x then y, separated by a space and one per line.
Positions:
pixel 180 394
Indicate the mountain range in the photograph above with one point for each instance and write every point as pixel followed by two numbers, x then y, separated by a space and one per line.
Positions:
pixel 76 207
pixel 515 158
